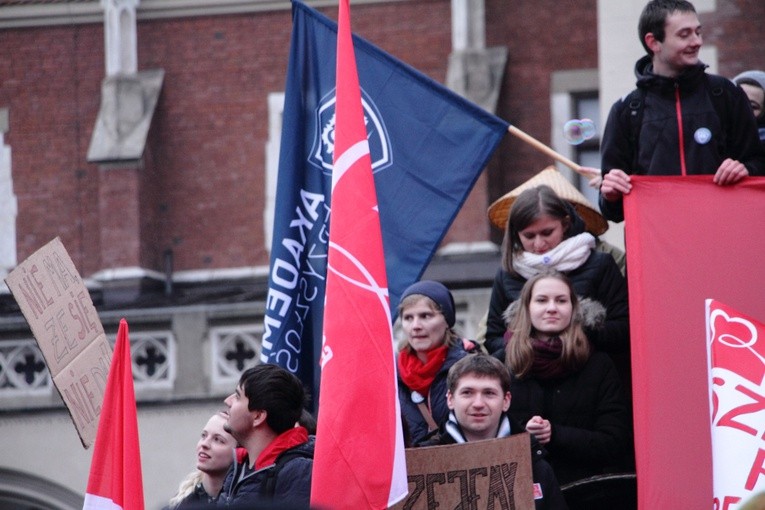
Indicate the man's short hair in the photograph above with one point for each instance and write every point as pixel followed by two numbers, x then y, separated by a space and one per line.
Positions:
pixel 654 18
pixel 275 390
pixel 480 365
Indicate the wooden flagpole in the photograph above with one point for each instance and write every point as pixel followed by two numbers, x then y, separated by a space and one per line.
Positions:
pixel 553 154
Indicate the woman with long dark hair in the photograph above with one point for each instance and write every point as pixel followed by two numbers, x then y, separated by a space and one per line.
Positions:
pixel 544 232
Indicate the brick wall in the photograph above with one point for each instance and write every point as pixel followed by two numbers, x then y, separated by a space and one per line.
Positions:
pixel 541 37
pixel 200 189
pixel 736 29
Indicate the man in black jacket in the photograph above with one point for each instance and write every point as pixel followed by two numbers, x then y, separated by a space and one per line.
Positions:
pixel 479 397
pixel 680 120
pixel 263 414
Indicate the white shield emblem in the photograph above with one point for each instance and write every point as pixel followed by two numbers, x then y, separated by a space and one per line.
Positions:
pixel 323 148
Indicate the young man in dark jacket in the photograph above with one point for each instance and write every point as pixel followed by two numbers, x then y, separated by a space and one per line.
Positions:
pixel 479 397
pixel 680 120
pixel 263 413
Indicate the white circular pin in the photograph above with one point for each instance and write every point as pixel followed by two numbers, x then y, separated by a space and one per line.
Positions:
pixel 417 398
pixel 702 136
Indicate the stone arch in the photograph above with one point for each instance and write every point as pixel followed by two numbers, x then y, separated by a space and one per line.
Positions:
pixel 30 492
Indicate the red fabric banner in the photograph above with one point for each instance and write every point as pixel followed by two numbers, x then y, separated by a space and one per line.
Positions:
pixel 359 460
pixel 115 480
pixel 687 240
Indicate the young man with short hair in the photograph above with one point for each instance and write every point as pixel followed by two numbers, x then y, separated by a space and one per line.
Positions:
pixel 263 415
pixel 680 120
pixel 479 397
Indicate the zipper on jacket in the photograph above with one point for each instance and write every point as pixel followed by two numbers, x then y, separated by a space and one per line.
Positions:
pixel 680 137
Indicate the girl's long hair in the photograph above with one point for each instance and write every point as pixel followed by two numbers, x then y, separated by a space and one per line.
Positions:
pixel 526 209
pixel 186 487
pixel 519 353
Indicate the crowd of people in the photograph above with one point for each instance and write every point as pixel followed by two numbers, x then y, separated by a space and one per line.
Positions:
pixel 554 361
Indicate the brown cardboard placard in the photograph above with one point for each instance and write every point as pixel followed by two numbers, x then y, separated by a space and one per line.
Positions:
pixel 58 308
pixel 484 474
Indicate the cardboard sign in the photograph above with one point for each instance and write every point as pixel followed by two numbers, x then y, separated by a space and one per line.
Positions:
pixel 484 474
pixel 65 324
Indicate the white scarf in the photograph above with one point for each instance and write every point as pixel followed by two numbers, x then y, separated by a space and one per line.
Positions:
pixel 452 427
pixel 568 255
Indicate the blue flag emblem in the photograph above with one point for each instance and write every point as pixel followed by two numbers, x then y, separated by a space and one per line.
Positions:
pixel 322 151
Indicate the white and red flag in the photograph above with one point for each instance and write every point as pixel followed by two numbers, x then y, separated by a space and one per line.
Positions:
pixel 736 353
pixel 115 481
pixel 359 459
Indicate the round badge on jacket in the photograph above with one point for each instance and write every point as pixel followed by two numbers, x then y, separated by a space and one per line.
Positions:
pixel 702 136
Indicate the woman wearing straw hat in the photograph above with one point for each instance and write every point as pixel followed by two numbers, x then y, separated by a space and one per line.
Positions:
pixel 543 231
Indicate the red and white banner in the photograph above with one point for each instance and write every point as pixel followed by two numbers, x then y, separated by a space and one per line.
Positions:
pixel 115 481
pixel 687 240
pixel 736 351
pixel 359 459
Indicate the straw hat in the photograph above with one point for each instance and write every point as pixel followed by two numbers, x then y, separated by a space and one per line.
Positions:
pixel 595 223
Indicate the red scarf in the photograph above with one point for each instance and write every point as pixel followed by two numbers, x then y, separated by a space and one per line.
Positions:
pixel 418 376
pixel 547 362
pixel 284 441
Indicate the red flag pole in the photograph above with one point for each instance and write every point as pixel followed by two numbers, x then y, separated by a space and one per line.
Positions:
pixel 115 480
pixel 359 460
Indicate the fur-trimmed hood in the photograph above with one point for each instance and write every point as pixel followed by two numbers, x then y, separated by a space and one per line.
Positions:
pixel 591 313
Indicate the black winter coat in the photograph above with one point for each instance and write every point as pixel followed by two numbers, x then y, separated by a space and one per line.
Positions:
pixel 658 151
pixel 292 487
pixel 598 278
pixel 591 430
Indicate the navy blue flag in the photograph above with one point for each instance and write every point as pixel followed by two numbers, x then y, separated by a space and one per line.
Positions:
pixel 428 147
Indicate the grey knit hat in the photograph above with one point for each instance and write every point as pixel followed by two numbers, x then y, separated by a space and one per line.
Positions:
pixel 753 75
pixel 438 293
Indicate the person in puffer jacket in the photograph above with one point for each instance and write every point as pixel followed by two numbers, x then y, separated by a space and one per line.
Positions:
pixel 566 394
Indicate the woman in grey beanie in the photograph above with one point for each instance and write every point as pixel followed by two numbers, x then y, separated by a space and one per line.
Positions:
pixel 426 312
pixel 753 84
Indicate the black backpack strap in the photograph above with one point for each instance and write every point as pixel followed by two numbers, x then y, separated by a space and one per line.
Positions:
pixel 717 87
pixel 269 484
pixel 635 101
pixel 718 94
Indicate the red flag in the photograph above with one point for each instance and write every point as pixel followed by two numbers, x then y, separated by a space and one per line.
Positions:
pixel 359 460
pixel 115 480
pixel 687 240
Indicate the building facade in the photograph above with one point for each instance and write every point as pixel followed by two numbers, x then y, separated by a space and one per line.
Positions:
pixel 145 136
